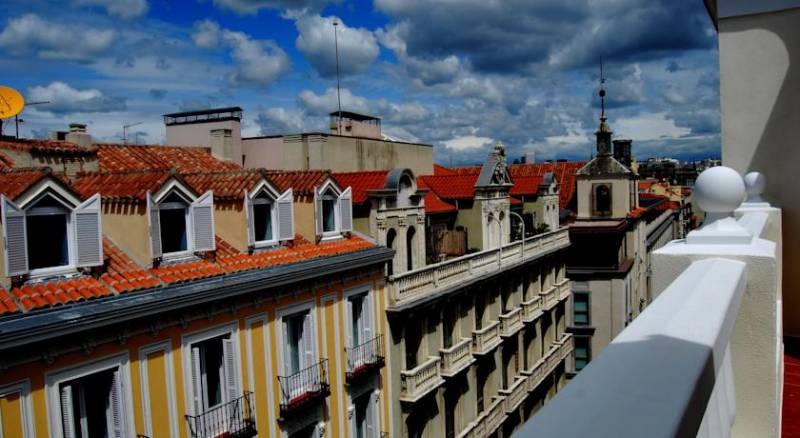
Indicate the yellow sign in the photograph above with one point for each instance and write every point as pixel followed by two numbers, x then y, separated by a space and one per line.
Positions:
pixel 11 102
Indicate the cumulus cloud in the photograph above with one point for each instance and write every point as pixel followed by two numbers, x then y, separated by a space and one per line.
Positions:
pixel 65 99
pixel 292 7
pixel 325 103
pixel 31 34
pixel 125 9
pixel 358 47
pixel 257 62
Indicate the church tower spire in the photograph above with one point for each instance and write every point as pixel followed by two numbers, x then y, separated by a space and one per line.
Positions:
pixel 604 131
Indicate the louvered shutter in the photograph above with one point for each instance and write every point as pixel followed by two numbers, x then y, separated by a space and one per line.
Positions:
pixel 308 340
pixel 115 407
pixel 197 386
pixel 346 210
pixel 203 222
pixel 155 227
pixel 251 224
pixel 318 212
pixel 371 419
pixel 231 371
pixel 89 233
pixel 67 414
pixel 14 238
pixel 285 206
pixel 367 316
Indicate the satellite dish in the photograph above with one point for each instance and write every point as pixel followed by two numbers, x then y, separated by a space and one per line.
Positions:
pixel 11 102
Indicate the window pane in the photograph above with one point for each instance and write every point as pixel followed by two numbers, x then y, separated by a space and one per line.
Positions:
pixel 581 318
pixel 211 368
pixel 580 351
pixel 173 230
pixel 328 215
pixel 579 364
pixel 357 323
pixel 580 305
pixel 47 241
pixel 90 398
pixel 294 330
pixel 262 219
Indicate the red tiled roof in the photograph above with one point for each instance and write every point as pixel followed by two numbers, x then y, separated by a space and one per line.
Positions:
pixel 5 161
pixel 126 158
pixel 441 170
pixel 59 292
pixel 122 273
pixel 637 212
pixel 461 186
pixel 47 146
pixel 515 201
pixel 526 185
pixel 361 182
pixel 131 186
pixel 13 182
pixel 189 271
pixel 225 185
pixel 302 182
pixel 433 203
pixel 7 304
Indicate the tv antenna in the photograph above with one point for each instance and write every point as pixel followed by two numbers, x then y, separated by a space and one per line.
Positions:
pixel 17 120
pixel 125 131
pixel 338 87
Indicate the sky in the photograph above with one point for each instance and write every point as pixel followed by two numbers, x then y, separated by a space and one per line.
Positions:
pixel 460 75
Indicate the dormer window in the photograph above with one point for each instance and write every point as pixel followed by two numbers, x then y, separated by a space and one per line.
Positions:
pixel 180 224
pixel 270 216
pixel 51 233
pixel 334 211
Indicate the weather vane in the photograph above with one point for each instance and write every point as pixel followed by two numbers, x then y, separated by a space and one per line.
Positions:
pixel 602 92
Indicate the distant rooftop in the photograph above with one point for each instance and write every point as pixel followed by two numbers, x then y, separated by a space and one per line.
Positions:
pixel 354 116
pixel 185 117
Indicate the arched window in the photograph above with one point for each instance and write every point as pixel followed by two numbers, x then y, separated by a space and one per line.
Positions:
pixel 405 191
pixel 602 200
pixel 390 238
pixel 410 248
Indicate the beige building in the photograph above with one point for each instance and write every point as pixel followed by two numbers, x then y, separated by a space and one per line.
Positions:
pixel 759 48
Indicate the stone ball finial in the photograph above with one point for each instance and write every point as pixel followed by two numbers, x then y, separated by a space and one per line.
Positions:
pixel 719 190
pixel 755 183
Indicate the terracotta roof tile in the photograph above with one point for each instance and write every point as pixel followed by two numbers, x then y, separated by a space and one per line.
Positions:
pixel 5 161
pixel 226 185
pixel 59 292
pixel 7 304
pixel 131 186
pixel 13 182
pixel 47 147
pixel 433 203
pixel 361 182
pixel 441 170
pixel 302 182
pixel 526 185
pixel 459 186
pixel 188 271
pixel 126 158
pixel 122 273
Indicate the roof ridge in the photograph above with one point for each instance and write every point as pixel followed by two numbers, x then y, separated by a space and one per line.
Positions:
pixel 171 146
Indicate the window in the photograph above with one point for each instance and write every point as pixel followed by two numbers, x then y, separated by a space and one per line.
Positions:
pixel 180 224
pixel 262 218
pixel 602 200
pixel 214 373
pixel 580 311
pixel 410 248
pixel 334 211
pixel 270 217
pixel 54 234
pixel 413 339
pixel 449 320
pixel 174 218
pixel 92 405
pixel 365 417
pixel 299 352
pixel 390 239
pixel 360 319
pixel 328 214
pixel 582 351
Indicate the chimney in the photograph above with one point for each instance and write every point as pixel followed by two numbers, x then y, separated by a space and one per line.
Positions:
pixel 222 144
pixel 77 134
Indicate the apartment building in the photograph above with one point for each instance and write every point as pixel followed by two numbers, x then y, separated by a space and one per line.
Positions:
pixel 476 340
pixel 162 292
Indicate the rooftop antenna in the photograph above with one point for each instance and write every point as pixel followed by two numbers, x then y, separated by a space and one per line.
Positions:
pixel 125 131
pixel 338 87
pixel 17 120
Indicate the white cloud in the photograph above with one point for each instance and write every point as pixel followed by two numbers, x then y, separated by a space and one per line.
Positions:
pixel 65 99
pixel 467 142
pixel 292 7
pixel 644 127
pixel 323 104
pixel 54 40
pixel 358 48
pixel 258 62
pixel 126 9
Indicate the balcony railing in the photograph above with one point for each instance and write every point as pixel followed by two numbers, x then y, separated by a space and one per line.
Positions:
pixel 549 298
pixel 365 357
pixel 412 285
pixel 232 419
pixel 486 339
pixel 515 394
pixel 488 422
pixel 456 358
pixel 531 309
pixel 421 380
pixel 511 322
pixel 563 289
pixel 304 387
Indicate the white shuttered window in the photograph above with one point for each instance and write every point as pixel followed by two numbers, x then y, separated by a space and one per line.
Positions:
pixel 203 222
pixel 155 226
pixel 286 215
pixel 14 238
pixel 346 210
pixel 88 232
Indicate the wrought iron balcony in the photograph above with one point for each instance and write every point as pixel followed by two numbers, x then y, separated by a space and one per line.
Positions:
pixel 234 419
pixel 421 380
pixel 364 358
pixel 531 309
pixel 511 322
pixel 486 339
pixel 304 387
pixel 456 358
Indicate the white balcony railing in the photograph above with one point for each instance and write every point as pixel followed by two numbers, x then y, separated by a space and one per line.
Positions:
pixel 412 285
pixel 485 339
pixel 563 289
pixel 515 394
pixel 456 358
pixel 531 309
pixel 549 298
pixel 419 381
pixel 511 322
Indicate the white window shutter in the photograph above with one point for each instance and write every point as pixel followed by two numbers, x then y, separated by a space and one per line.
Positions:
pixel 197 385
pixel 15 238
pixel 346 210
pixel 285 206
pixel 367 316
pixel 203 222
pixel 318 212
pixel 308 340
pixel 89 232
pixel 115 407
pixel 67 414
pixel 349 318
pixel 251 224
pixel 154 224
pixel 371 419
pixel 231 371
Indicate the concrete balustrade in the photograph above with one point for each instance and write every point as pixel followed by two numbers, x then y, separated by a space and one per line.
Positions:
pixel 511 322
pixel 486 339
pixel 515 394
pixel 549 298
pixel 456 358
pixel 418 382
pixel 531 309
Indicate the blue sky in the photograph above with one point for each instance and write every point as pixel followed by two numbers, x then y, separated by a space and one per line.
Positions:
pixel 458 74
